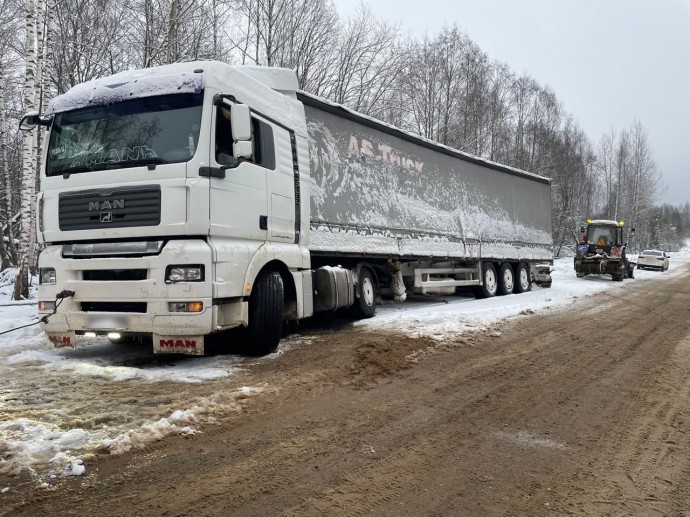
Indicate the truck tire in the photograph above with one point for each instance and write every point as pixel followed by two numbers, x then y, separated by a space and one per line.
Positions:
pixel 522 278
pixel 365 295
pixel 506 279
pixel 490 282
pixel 266 305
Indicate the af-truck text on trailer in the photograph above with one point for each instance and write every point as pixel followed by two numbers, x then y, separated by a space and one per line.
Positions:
pixel 179 201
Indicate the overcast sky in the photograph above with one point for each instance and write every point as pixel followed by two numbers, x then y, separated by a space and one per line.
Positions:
pixel 608 61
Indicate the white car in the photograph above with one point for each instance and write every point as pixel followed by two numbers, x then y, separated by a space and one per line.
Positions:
pixel 653 259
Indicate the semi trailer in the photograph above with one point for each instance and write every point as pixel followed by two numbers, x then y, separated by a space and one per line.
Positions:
pixel 184 200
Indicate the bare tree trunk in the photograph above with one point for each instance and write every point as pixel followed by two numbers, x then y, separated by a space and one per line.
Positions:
pixel 21 287
pixel 172 43
pixel 148 33
pixel 4 166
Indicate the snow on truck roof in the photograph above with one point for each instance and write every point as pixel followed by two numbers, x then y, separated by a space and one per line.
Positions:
pixel 266 92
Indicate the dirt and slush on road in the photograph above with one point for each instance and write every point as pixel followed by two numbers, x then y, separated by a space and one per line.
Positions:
pixel 582 411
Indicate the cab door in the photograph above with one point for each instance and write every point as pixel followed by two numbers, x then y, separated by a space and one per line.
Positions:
pixel 238 193
pixel 276 147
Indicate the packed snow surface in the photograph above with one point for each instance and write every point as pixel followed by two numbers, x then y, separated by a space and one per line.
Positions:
pixel 59 407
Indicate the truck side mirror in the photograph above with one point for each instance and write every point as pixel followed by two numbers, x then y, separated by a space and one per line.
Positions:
pixel 33 119
pixel 241 122
pixel 242 149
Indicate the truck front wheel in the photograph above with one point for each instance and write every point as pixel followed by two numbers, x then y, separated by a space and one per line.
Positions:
pixel 365 295
pixel 266 305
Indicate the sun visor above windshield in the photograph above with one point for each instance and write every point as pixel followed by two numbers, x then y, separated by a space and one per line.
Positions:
pixel 122 87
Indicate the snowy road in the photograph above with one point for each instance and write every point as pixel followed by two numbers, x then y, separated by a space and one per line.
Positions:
pixel 60 409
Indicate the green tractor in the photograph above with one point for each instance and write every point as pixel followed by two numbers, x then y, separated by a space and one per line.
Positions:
pixel 602 250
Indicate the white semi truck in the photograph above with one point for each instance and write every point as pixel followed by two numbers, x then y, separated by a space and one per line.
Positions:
pixel 180 201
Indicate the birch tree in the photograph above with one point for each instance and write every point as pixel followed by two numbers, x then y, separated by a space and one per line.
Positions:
pixel 28 246
pixel 12 13
pixel 4 169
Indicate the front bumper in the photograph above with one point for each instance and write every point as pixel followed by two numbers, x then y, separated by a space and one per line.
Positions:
pixel 598 265
pixel 129 306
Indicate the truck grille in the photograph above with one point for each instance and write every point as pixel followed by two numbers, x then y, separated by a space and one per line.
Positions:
pixel 115 275
pixel 139 307
pixel 112 208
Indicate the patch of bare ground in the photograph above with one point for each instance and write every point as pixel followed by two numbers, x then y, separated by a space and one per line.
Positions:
pixel 580 412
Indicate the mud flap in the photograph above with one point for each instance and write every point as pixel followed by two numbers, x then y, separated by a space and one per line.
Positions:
pixel 62 339
pixel 188 345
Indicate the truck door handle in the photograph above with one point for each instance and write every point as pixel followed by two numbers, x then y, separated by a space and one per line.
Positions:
pixel 212 172
pixel 263 222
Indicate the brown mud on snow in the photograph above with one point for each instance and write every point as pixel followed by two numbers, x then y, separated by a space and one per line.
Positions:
pixel 579 412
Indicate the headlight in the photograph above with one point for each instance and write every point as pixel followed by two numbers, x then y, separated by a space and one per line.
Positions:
pixel 44 306
pixel 191 273
pixel 46 276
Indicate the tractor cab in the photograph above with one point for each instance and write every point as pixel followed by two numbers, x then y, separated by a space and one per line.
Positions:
pixel 602 237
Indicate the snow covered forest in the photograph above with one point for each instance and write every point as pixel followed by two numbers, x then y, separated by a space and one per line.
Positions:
pixel 441 86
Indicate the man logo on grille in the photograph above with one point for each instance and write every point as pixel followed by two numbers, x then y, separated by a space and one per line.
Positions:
pixel 106 217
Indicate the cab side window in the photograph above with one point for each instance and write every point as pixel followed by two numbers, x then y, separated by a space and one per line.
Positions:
pixel 224 137
pixel 264 149
pixel 262 141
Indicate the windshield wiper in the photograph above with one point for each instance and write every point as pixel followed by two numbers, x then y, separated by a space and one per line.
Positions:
pixel 76 169
pixel 151 162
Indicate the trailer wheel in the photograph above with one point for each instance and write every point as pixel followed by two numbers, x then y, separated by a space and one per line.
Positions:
pixel 365 295
pixel 506 279
pixel 266 305
pixel 522 276
pixel 490 286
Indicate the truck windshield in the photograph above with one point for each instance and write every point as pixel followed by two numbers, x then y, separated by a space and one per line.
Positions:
pixel 132 133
